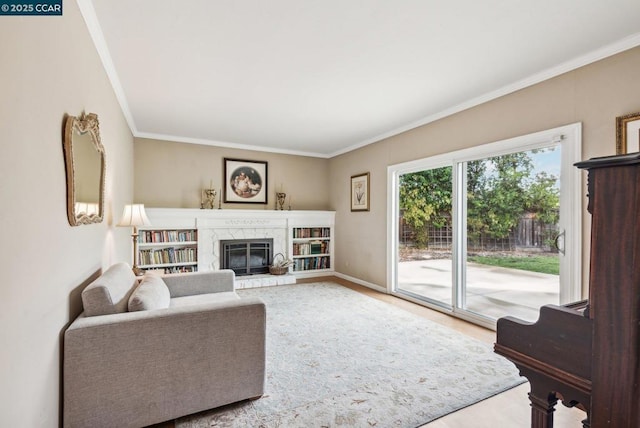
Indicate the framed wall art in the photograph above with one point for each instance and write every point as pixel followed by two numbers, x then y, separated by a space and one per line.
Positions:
pixel 245 181
pixel 360 192
pixel 628 133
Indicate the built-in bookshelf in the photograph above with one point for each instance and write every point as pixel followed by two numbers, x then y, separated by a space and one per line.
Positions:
pixel 310 234
pixel 311 249
pixel 170 250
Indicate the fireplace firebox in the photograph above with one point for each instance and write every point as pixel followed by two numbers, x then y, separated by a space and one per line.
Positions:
pixel 246 256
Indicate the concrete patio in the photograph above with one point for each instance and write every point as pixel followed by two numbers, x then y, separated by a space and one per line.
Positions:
pixel 491 291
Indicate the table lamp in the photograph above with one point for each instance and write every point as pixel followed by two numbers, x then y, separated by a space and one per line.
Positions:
pixel 134 216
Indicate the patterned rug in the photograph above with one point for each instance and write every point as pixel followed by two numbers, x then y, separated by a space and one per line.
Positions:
pixel 338 358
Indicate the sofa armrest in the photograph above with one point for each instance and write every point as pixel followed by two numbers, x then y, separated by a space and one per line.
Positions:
pixel 188 284
pixel 141 368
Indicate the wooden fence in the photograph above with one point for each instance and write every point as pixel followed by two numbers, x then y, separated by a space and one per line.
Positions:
pixel 530 235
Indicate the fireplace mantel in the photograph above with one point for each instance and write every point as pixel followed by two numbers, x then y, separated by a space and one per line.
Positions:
pixel 215 225
pixel 193 217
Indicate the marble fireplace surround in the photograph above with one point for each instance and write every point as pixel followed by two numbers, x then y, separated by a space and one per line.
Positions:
pixel 215 225
pixel 212 231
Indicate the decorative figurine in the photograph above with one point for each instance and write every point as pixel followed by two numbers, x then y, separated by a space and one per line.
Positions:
pixel 208 198
pixel 281 197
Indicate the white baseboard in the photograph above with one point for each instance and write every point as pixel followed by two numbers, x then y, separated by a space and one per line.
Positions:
pixel 361 282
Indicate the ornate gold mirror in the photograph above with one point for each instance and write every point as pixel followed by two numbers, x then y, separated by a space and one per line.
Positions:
pixel 85 164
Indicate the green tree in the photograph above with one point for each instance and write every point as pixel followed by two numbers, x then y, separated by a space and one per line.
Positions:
pixel 498 197
pixel 425 197
pixel 500 190
pixel 543 198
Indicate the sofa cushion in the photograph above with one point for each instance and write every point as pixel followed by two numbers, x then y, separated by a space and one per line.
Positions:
pixel 225 296
pixel 109 293
pixel 152 293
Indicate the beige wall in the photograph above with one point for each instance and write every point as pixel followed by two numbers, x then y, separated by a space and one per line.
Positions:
pixel 594 95
pixel 171 175
pixel 49 67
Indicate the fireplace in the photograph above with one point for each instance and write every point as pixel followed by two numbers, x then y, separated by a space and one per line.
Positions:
pixel 246 256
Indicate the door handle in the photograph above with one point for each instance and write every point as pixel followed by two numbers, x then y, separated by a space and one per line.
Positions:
pixel 559 240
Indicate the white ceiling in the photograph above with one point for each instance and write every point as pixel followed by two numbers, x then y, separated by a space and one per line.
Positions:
pixel 322 77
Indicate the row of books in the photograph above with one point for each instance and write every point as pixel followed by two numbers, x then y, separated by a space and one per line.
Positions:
pixel 175 269
pixel 306 248
pixel 312 232
pixel 166 255
pixel 151 236
pixel 311 263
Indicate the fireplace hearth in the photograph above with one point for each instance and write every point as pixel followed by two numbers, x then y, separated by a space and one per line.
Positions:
pixel 246 256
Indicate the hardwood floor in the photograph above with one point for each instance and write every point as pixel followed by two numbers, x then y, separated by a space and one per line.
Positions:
pixel 507 410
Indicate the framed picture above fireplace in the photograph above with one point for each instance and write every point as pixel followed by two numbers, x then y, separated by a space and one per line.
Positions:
pixel 245 181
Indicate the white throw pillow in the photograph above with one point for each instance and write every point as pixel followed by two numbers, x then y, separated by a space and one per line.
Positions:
pixel 110 292
pixel 152 293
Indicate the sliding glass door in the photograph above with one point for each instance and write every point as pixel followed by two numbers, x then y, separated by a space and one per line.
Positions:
pixel 482 233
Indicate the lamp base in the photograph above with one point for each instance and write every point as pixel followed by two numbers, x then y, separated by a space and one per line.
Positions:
pixel 136 270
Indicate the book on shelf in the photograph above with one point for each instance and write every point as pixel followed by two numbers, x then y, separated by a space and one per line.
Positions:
pixel 315 247
pixel 169 255
pixel 312 263
pixel 311 232
pixel 174 269
pixel 307 248
pixel 160 236
pixel 301 249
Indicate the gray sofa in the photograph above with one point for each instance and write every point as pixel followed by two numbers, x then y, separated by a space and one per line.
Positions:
pixel 170 346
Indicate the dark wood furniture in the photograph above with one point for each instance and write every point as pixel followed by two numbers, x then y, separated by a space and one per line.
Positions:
pixel 591 358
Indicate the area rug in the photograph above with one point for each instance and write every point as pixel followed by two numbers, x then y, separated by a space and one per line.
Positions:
pixel 338 358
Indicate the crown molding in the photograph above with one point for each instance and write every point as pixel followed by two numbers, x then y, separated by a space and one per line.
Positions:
pixel 573 64
pixel 93 25
pixel 226 144
pixel 88 12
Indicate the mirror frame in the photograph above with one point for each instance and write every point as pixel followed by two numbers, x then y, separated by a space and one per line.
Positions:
pixel 84 124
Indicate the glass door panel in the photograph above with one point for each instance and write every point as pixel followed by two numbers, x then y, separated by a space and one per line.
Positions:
pixel 512 221
pixel 425 234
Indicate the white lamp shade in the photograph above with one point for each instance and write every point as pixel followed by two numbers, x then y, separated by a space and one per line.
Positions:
pixel 134 215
